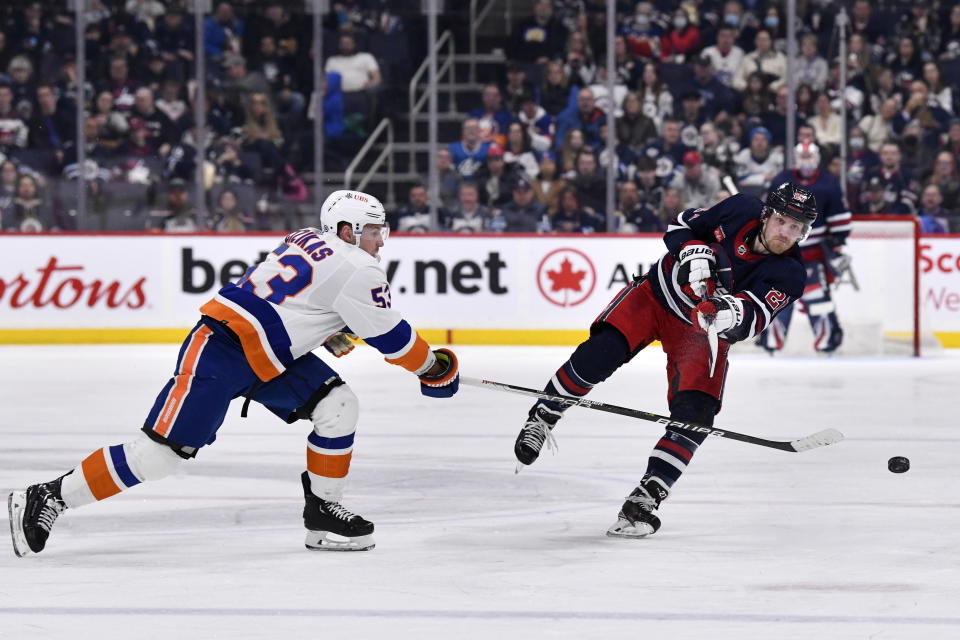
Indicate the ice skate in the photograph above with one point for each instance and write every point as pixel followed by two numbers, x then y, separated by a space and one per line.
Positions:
pixel 32 513
pixel 638 516
pixel 537 430
pixel 332 527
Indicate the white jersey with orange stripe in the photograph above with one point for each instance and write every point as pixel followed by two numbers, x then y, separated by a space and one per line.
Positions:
pixel 309 288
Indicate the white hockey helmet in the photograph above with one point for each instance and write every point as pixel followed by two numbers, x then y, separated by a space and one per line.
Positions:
pixel 807 155
pixel 355 207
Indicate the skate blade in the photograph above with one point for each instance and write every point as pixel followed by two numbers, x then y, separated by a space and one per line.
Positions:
pixel 15 505
pixel 623 529
pixel 326 541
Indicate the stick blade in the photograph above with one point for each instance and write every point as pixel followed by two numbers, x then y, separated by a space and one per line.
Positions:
pixel 818 439
pixel 713 341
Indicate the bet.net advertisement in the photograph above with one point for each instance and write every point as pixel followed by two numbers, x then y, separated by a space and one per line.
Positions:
pixel 525 282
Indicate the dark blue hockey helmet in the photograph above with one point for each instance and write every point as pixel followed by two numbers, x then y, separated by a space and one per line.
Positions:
pixel 793 201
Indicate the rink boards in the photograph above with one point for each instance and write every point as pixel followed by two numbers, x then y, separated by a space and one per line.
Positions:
pixel 480 289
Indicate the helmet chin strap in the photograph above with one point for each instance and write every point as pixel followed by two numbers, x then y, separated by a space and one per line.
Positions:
pixel 763 227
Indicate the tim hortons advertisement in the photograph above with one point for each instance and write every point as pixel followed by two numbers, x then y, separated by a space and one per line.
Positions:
pixel 488 282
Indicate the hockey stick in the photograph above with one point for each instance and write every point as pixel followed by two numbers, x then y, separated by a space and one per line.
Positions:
pixel 731 188
pixel 712 334
pixel 813 441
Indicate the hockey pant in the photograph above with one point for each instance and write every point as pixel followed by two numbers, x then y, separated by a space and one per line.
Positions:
pixel 628 324
pixel 212 371
pixel 821 311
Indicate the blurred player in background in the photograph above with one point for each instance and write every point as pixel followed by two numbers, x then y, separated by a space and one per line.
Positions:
pixel 255 340
pixel 822 254
pixel 729 269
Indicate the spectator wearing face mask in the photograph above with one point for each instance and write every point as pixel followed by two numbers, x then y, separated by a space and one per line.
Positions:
pixel 642 32
pixel 682 40
pixel 860 160
pixel 734 16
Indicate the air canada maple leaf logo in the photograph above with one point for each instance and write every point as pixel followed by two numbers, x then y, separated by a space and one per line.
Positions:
pixel 566 277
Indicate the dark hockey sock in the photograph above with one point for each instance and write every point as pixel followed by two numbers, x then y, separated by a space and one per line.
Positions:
pixel 673 452
pixel 591 363
pixel 670 457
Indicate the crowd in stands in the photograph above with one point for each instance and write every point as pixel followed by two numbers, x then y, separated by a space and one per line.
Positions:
pixel 699 95
pixel 138 110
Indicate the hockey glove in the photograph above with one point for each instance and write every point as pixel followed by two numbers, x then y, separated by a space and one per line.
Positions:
pixel 725 312
pixel 447 382
pixel 339 344
pixel 698 267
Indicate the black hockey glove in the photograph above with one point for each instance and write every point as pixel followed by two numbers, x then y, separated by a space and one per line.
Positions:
pixel 447 382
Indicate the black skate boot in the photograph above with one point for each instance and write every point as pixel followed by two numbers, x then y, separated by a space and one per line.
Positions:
pixel 331 527
pixel 638 516
pixel 32 514
pixel 537 430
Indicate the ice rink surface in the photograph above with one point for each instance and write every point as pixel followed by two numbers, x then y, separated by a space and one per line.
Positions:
pixel 756 543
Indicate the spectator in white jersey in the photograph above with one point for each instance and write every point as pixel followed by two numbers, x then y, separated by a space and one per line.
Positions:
pixel 359 70
pixel 764 59
pixel 726 56
pixel 758 163
pixel 468 215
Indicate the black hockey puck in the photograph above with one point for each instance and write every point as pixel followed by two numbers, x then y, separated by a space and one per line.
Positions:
pixel 898 464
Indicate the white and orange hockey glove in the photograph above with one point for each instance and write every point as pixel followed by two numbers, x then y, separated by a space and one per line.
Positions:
pixel 340 344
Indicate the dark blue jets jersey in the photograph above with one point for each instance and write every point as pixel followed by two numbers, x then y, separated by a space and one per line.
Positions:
pixel 766 283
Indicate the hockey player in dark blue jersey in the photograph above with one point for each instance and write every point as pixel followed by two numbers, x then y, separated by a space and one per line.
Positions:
pixel 822 254
pixel 731 269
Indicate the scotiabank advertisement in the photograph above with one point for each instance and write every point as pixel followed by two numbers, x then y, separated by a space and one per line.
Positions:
pixel 940 283
pixel 475 282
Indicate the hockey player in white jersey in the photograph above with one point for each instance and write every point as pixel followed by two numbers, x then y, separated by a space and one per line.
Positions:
pixel 255 340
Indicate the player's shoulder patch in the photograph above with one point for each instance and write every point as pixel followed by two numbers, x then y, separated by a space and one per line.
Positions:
pixel 775 298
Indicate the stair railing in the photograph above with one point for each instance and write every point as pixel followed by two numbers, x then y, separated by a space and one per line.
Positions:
pixel 417 102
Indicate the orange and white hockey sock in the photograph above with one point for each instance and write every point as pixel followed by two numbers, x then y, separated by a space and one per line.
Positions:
pixel 328 463
pixel 110 470
pixel 102 474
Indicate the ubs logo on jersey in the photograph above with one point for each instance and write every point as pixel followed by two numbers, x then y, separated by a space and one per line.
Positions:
pixel 566 277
